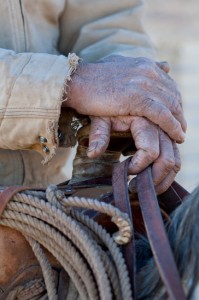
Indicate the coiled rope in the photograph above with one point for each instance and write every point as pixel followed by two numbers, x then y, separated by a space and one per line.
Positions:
pixel 91 257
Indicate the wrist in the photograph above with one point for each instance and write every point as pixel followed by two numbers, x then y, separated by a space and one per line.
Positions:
pixel 72 89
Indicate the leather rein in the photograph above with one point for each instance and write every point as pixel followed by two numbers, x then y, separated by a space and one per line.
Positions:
pixel 154 226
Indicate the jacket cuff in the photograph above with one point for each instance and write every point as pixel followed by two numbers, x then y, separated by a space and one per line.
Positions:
pixel 50 140
pixel 32 95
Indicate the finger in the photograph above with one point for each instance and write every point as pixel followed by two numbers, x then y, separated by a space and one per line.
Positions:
pixel 180 116
pixel 175 100
pixel 163 65
pixel 162 116
pixel 99 136
pixel 145 135
pixel 165 184
pixel 174 103
pixel 173 97
pixel 165 163
pixel 158 90
pixel 121 123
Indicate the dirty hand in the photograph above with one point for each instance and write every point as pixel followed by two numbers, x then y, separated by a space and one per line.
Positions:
pixel 124 86
pixel 153 146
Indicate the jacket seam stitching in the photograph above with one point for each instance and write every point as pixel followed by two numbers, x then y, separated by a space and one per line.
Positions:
pixel 19 73
pixel 12 86
pixel 17 25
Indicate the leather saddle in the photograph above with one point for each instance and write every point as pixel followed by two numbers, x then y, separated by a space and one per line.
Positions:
pixel 147 212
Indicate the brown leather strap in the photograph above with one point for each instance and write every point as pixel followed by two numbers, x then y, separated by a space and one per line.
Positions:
pixel 182 193
pixel 7 194
pixel 92 182
pixel 173 197
pixel 121 199
pixel 157 236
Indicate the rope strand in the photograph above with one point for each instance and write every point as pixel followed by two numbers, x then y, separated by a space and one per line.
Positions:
pixel 89 255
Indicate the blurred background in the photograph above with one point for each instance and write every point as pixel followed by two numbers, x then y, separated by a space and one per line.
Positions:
pixel 173 26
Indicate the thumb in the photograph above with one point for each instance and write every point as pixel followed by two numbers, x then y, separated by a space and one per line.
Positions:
pixel 99 136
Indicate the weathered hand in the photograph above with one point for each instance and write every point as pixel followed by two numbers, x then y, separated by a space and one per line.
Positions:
pixel 153 146
pixel 123 86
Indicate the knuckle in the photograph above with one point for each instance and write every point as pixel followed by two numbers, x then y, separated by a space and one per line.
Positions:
pixel 178 94
pixel 156 182
pixel 146 84
pixel 169 163
pixel 145 63
pixel 147 104
pixel 145 60
pixel 178 100
pixel 165 116
pixel 163 187
pixel 153 153
pixel 177 166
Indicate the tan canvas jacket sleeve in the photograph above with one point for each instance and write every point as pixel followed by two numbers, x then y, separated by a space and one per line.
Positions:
pixel 95 29
pixel 31 88
pixel 35 39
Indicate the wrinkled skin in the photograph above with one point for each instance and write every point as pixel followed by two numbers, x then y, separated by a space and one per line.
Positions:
pixel 136 94
pixel 153 146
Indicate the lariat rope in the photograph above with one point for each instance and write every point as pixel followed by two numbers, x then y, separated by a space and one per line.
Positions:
pixel 86 251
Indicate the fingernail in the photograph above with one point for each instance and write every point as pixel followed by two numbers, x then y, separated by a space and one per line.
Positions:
pixel 94 150
pixel 182 138
pixel 165 63
pixel 92 147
